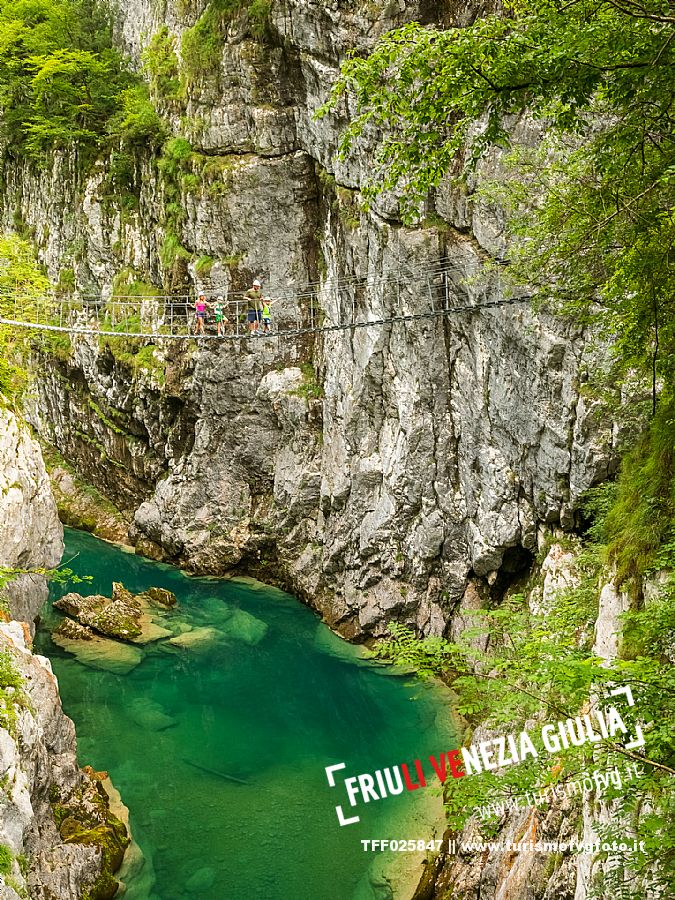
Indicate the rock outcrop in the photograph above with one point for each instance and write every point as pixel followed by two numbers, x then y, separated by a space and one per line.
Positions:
pixel 54 818
pixel 123 617
pixel 31 536
pixel 58 836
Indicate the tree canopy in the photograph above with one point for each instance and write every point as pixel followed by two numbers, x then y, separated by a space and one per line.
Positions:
pixel 62 83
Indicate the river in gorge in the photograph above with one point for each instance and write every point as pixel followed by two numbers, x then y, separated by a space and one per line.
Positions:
pixel 218 742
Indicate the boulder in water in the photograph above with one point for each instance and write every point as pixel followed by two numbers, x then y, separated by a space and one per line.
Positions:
pixel 121 595
pixel 196 637
pixel 242 626
pixel 149 715
pixel 76 605
pixel 101 653
pixel 151 631
pixel 162 596
pixel 117 618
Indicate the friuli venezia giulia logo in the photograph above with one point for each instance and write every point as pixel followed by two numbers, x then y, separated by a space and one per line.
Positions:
pixel 496 753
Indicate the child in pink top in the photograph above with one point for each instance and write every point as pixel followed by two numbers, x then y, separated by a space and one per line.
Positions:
pixel 200 313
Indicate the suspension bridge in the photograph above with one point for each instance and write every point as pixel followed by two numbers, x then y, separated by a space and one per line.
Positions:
pixel 429 294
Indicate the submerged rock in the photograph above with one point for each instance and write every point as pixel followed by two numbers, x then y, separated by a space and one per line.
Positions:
pixel 100 653
pixel 151 631
pixel 202 880
pixel 149 714
pixel 196 637
pixel 242 626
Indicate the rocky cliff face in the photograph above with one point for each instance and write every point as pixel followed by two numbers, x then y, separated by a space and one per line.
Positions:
pixel 31 536
pixel 56 831
pixel 376 472
pixel 498 872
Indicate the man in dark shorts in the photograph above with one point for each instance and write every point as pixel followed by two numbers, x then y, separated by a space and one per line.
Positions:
pixel 254 297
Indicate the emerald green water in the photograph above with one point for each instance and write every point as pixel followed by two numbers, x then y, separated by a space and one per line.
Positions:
pixel 272 714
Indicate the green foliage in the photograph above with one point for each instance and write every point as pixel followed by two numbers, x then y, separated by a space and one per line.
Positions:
pixel 172 250
pixel 161 64
pixel 55 343
pixel 259 18
pixel 128 284
pixel 22 286
pixel 61 82
pixel 11 692
pixel 175 164
pixel 640 525
pixel 204 265
pixel 66 283
pixel 202 45
pixel 310 388
pixel 9 675
pixel 132 352
pixel 428 658
pixel 137 123
pixel 6 859
pixel 175 154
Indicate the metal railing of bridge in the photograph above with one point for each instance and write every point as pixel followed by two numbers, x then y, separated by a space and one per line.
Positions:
pixel 295 313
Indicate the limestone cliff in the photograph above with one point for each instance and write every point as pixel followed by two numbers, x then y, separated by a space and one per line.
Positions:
pixel 57 834
pixel 30 534
pixel 374 472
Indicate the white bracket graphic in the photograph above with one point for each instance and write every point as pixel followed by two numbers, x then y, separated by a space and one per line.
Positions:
pixel 639 740
pixel 330 770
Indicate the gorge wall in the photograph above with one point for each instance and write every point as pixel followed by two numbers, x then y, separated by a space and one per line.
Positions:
pixel 57 835
pixel 374 472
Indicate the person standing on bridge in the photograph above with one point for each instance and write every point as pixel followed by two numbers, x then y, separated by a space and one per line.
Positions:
pixel 267 315
pixel 255 299
pixel 221 319
pixel 200 313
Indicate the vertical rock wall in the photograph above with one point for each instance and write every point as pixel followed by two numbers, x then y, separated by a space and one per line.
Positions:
pixel 31 536
pixel 54 818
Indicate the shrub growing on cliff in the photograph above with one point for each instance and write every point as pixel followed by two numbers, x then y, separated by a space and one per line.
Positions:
pixel 202 45
pixel 22 286
pixel 161 64
pixel 6 860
